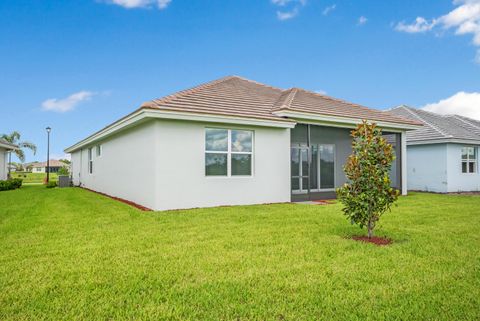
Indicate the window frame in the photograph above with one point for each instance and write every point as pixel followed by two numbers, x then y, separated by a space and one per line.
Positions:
pixel 469 160
pixel 90 160
pixel 229 153
pixel 98 150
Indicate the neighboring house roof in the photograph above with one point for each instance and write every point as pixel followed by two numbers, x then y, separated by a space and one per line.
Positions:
pixel 7 145
pixel 439 128
pixel 238 100
pixel 53 163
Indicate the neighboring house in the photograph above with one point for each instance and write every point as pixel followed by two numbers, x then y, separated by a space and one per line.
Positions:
pixel 443 154
pixel 54 166
pixel 5 148
pixel 231 141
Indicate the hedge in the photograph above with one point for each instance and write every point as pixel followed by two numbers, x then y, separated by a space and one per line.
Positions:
pixel 10 184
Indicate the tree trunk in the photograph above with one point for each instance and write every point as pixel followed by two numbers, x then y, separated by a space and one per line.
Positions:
pixel 370 228
pixel 9 164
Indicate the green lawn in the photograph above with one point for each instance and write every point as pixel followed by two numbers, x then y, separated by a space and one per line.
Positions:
pixel 71 254
pixel 34 177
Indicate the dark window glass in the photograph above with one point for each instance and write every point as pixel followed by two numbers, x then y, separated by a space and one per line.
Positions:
pixel 216 140
pixel 215 164
pixel 241 141
pixel 295 183
pixel 241 164
pixel 471 167
pixel 295 161
pixel 304 156
pixel 314 168
pixel 464 167
pixel 327 167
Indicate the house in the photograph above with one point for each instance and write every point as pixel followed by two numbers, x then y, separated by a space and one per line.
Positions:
pixel 231 141
pixel 5 148
pixel 443 154
pixel 54 166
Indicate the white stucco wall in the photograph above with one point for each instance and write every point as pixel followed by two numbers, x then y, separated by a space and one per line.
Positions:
pixel 181 168
pixel 427 168
pixel 3 164
pixel 458 181
pixel 161 165
pixel 126 168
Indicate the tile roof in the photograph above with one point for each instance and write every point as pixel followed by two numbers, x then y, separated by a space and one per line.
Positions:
pixel 439 127
pixel 53 163
pixel 237 96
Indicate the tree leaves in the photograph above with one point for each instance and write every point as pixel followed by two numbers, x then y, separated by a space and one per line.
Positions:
pixel 368 194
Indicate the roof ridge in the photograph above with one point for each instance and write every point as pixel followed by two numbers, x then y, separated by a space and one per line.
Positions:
pixel 257 83
pixel 466 120
pixel 409 109
pixel 328 97
pixel 181 93
pixel 286 102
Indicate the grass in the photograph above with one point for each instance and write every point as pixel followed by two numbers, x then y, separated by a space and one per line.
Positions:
pixel 29 178
pixel 74 255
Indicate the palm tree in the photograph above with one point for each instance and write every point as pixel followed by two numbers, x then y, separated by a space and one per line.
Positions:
pixel 14 138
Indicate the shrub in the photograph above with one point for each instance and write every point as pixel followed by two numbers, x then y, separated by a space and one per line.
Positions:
pixel 10 184
pixel 368 194
pixel 63 171
pixel 51 184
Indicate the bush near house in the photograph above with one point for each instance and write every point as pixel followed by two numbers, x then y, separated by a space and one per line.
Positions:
pixel 51 184
pixel 10 184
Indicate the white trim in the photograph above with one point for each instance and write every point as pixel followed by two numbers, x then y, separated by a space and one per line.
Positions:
pixel 144 114
pixel 345 122
pixel 403 145
pixel 8 146
pixel 443 141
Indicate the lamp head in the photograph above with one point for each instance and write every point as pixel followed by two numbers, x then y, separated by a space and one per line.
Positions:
pixel 48 129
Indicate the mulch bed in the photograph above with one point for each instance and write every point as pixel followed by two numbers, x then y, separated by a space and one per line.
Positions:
pixel 137 206
pixel 380 241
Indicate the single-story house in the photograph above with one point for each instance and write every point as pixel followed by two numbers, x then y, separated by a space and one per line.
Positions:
pixel 442 156
pixel 231 141
pixel 5 148
pixel 54 166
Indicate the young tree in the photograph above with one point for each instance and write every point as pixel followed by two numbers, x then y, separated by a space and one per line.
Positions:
pixel 368 194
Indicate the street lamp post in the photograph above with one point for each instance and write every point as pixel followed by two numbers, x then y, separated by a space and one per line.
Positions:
pixel 48 153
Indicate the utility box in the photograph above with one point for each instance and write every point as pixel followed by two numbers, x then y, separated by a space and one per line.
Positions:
pixel 63 181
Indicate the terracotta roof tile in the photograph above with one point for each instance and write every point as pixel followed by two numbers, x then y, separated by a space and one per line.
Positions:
pixel 236 96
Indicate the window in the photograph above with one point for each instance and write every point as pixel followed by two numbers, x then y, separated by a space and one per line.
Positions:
pixel 228 152
pixel 99 150
pixel 469 160
pixel 90 161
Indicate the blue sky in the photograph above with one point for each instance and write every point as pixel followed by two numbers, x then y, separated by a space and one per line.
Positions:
pixel 79 65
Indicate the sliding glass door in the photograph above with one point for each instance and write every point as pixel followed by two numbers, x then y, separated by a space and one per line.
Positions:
pixel 300 169
pixel 313 169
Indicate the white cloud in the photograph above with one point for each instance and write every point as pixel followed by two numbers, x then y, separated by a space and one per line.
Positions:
pixel 420 25
pixel 321 92
pixel 464 19
pixel 66 104
pixel 61 156
pixel 130 4
pixel 329 9
pixel 285 15
pixel 362 20
pixel 462 103
pixel 291 8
